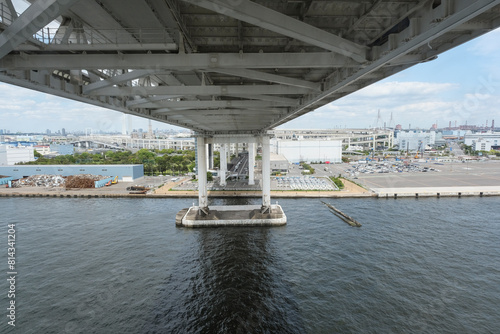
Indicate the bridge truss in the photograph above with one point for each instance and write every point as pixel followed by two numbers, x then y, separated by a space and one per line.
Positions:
pixel 226 66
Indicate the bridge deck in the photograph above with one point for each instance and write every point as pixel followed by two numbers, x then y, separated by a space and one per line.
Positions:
pixel 220 67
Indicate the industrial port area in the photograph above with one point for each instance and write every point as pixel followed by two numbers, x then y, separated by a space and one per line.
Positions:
pixel 374 179
pixel 303 163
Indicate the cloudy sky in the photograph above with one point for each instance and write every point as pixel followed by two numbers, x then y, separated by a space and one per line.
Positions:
pixel 462 85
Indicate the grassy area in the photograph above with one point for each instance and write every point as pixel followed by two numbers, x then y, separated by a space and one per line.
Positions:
pixel 338 182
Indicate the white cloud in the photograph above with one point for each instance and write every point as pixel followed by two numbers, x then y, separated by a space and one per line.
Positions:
pixel 30 111
pixel 415 90
pixel 417 103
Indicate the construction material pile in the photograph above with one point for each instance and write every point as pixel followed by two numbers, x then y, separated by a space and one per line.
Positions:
pixel 82 181
pixel 40 181
pixel 53 181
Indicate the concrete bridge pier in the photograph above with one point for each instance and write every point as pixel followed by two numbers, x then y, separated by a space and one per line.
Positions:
pixel 266 172
pixel 251 163
pixel 223 165
pixel 210 156
pixel 232 215
pixel 201 151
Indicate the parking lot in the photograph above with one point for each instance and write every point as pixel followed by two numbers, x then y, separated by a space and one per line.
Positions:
pixel 302 183
pixel 426 174
pixel 373 175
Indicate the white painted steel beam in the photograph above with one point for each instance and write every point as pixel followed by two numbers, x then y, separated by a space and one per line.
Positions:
pixel 264 17
pixel 184 62
pixel 259 75
pixel 115 80
pixel 271 98
pixel 223 112
pixel 99 47
pixel 172 91
pixel 141 102
pixel 215 104
pixel 35 17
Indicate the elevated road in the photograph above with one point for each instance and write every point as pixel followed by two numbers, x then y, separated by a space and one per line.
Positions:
pixel 226 67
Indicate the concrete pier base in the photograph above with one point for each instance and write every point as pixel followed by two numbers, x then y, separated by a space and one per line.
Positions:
pixel 231 215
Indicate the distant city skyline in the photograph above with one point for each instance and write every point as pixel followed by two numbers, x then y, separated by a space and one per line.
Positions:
pixel 462 85
pixel 398 126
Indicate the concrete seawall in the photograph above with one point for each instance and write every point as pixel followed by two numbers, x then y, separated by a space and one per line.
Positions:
pixel 351 190
pixel 393 193
pixel 437 191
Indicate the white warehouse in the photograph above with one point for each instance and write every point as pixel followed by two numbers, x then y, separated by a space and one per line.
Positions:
pixel 415 140
pixel 308 150
pixel 11 155
pixel 483 141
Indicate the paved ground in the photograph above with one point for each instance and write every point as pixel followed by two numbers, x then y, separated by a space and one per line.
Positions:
pixel 451 175
pixel 452 178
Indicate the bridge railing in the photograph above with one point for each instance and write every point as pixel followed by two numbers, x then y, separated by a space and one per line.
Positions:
pixel 6 18
pixel 90 36
pixel 5 15
pixel 87 36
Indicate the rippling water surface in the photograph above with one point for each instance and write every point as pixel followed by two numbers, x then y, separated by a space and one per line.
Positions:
pixel 121 266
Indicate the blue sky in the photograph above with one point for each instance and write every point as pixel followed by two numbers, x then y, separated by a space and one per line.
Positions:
pixel 462 85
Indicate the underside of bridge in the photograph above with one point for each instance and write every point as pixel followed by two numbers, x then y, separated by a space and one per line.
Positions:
pixel 226 67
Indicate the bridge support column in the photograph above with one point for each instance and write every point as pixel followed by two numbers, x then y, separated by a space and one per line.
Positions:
pixel 202 176
pixel 210 156
pixel 223 165
pixel 266 172
pixel 251 163
pixel 232 215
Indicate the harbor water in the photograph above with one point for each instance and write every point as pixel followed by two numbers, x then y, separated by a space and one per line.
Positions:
pixel 105 265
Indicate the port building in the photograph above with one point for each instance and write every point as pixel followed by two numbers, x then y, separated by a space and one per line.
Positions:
pixel 483 141
pixel 125 173
pixel 415 140
pixel 366 138
pixel 11 155
pixel 308 150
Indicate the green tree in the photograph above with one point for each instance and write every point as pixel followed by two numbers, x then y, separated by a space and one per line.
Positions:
pixel 37 154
